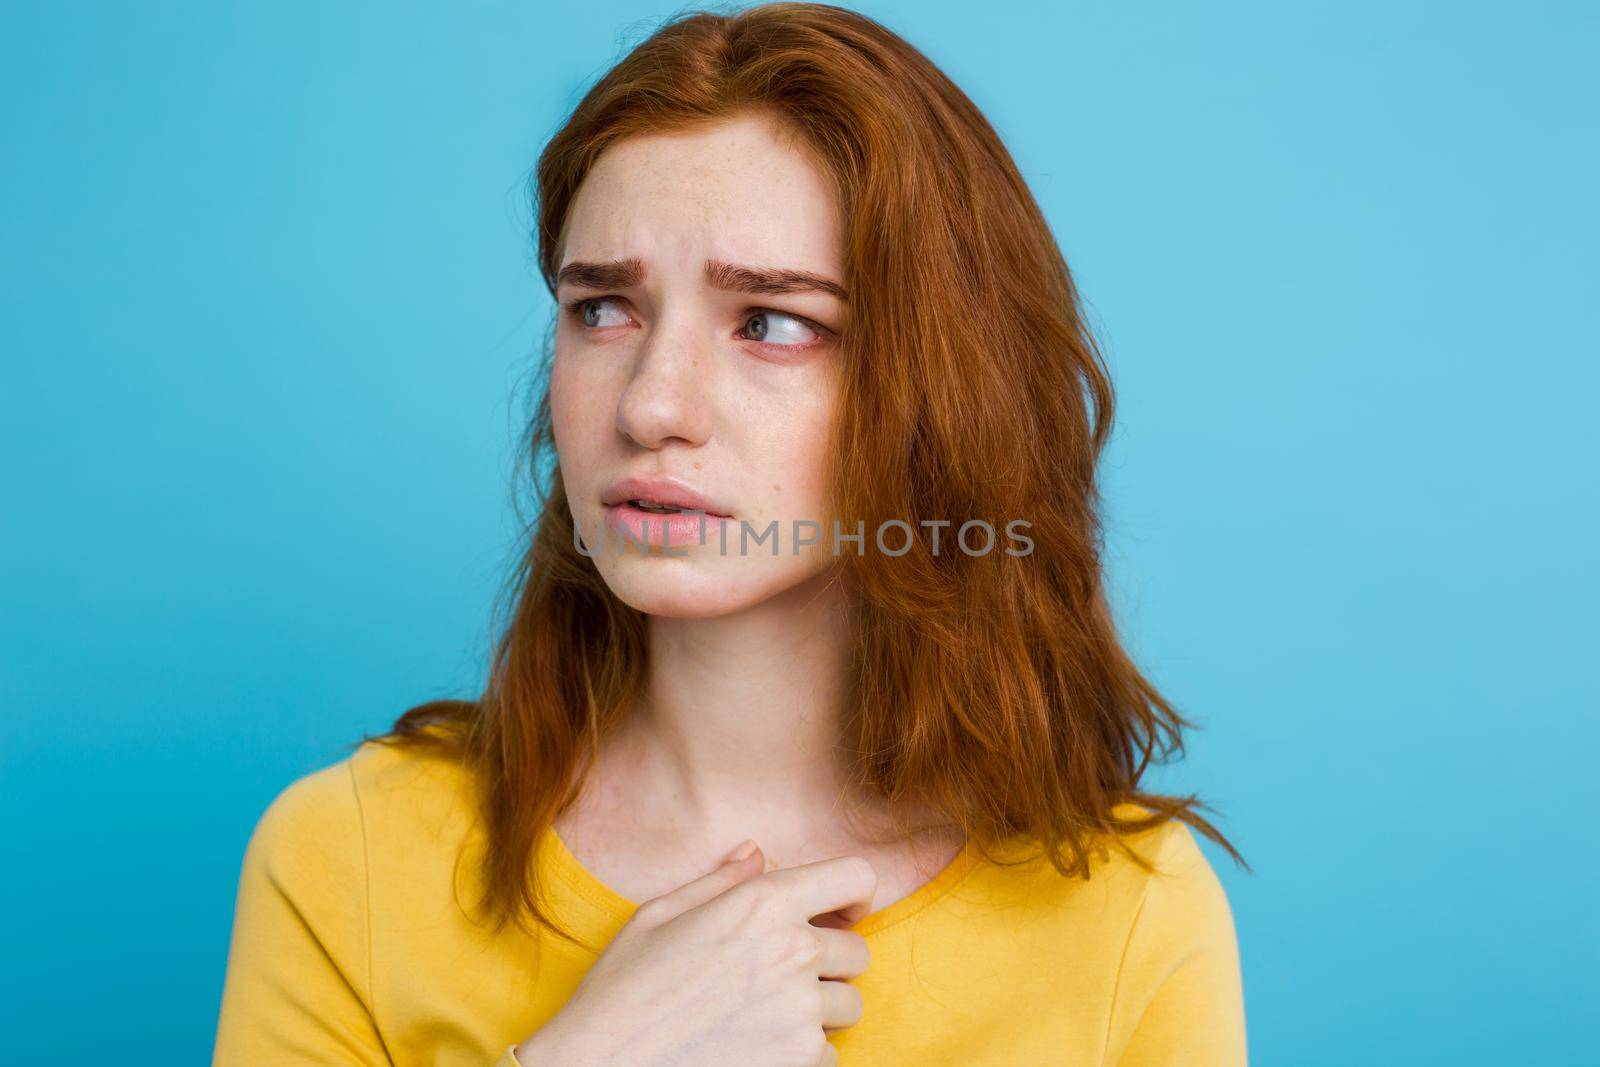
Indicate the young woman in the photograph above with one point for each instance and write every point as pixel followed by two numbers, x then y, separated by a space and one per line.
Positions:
pixel 810 739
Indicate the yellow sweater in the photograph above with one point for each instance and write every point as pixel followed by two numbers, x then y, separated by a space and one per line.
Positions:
pixel 349 946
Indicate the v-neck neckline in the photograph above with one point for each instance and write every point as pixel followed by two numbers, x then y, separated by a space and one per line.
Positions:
pixel 620 909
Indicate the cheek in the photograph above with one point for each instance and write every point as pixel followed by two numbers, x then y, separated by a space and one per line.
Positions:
pixel 794 451
pixel 575 432
pixel 559 400
pixel 572 403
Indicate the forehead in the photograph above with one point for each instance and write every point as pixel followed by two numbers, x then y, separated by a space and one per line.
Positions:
pixel 738 190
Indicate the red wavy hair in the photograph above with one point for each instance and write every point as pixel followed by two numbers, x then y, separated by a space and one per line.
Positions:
pixel 993 688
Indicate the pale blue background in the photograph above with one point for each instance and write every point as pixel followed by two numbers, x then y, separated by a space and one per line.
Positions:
pixel 267 297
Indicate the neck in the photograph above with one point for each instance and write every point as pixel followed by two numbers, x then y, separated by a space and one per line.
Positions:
pixel 736 734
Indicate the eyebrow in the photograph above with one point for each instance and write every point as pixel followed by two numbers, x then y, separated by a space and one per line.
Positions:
pixel 737 279
pixel 732 277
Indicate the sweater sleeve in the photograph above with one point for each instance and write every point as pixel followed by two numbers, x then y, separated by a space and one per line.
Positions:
pixel 298 988
pixel 1180 998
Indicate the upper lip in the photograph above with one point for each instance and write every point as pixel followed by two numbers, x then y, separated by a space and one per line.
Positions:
pixel 660 489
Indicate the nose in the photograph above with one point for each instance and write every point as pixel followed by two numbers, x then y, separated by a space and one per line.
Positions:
pixel 666 397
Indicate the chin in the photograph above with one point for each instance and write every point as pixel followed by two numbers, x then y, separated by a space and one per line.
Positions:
pixel 682 589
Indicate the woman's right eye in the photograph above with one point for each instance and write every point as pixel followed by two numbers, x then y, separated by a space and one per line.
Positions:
pixel 598 311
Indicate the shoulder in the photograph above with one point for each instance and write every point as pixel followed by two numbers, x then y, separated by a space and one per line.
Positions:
pixel 322 825
pixel 311 820
pixel 1180 955
pixel 1171 848
pixel 1180 897
pixel 1178 992
pixel 304 877
pixel 1150 896
pixel 1148 890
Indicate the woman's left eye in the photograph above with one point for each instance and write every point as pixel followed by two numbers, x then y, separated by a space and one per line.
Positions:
pixel 778 328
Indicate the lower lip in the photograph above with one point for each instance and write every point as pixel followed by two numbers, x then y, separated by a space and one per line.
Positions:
pixel 634 527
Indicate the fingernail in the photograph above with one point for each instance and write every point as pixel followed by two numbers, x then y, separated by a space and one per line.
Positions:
pixel 743 852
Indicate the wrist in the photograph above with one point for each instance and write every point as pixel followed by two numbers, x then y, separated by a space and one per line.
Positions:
pixel 547 1048
pixel 530 1054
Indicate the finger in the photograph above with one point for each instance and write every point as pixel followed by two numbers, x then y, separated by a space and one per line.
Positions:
pixel 841 1004
pixel 844 884
pixel 719 880
pixel 844 954
pixel 829 1056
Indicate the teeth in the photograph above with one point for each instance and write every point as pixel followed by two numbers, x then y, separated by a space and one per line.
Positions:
pixel 643 505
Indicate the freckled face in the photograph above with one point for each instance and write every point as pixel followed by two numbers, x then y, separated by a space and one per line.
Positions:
pixel 675 375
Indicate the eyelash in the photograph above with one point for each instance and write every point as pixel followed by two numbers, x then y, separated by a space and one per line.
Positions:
pixel 575 307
